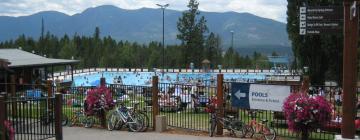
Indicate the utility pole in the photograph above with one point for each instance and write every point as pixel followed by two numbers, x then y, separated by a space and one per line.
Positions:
pixel 351 34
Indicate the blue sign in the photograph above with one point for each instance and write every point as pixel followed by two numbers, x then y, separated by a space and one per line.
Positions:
pixel 240 95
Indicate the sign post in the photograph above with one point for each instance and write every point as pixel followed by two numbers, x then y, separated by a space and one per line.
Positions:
pixel 351 35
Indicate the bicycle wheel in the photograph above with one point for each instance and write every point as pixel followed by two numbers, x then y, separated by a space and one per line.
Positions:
pixel 269 133
pixel 72 121
pixel 238 128
pixel 89 122
pixel 146 121
pixel 212 127
pixel 135 122
pixel 112 121
pixel 64 120
pixel 249 131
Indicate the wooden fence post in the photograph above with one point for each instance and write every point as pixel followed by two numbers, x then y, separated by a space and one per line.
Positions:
pixel 155 103
pixel 3 115
pixel 220 99
pixel 58 116
pixel 13 94
pixel 49 93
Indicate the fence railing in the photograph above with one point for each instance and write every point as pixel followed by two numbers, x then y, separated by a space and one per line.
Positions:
pixel 184 105
pixel 89 70
pixel 74 99
pixel 278 121
pixel 131 95
pixel 31 118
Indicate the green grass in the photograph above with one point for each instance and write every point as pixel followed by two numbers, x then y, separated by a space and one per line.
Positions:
pixel 196 121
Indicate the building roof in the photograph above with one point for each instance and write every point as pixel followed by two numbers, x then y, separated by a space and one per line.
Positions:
pixel 279 59
pixel 20 58
pixel 205 61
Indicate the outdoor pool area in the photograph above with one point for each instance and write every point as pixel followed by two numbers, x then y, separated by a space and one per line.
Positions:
pixel 144 78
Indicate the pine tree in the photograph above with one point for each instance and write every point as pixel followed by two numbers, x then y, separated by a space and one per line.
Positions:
pixel 191 33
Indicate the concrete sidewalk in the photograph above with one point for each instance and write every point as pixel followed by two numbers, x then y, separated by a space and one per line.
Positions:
pixel 80 133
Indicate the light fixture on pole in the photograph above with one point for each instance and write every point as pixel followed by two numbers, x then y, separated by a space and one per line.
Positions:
pixel 163 37
pixel 232 38
pixel 232 45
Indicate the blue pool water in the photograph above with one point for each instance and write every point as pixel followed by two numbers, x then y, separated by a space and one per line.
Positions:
pixel 144 78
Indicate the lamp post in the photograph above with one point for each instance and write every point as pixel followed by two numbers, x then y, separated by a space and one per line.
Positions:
pixel 232 38
pixel 232 45
pixel 163 37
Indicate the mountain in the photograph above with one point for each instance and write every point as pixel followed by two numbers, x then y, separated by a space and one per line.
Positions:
pixel 145 25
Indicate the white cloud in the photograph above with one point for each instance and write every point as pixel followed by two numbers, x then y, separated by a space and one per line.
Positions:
pixel 273 9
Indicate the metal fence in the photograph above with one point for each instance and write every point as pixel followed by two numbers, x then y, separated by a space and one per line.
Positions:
pixel 74 98
pixel 31 107
pixel 131 95
pixel 73 102
pixel 277 120
pixel 32 119
pixel 31 111
pixel 184 105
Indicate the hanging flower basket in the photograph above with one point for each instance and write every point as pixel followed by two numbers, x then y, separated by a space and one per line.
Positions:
pixel 10 131
pixel 98 101
pixel 304 113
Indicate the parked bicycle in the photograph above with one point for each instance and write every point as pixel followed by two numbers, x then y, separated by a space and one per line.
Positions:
pixel 260 128
pixel 236 127
pixel 143 116
pixel 79 116
pixel 123 116
pixel 64 120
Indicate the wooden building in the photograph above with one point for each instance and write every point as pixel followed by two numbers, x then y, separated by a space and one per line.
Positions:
pixel 23 68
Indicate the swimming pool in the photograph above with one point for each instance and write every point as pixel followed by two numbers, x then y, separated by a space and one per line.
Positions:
pixel 144 78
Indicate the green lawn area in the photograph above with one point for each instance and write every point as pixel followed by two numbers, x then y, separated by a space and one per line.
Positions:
pixel 183 119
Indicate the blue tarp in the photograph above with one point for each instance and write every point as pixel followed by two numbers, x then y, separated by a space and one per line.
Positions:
pixel 34 93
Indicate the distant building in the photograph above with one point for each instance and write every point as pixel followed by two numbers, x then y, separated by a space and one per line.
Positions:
pixel 23 68
pixel 279 62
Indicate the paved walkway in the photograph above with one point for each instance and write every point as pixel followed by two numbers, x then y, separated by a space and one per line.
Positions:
pixel 78 133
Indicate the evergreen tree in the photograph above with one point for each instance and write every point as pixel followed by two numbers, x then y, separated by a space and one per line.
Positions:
pixel 213 49
pixel 191 33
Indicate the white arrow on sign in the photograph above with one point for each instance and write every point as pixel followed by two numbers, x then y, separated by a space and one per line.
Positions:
pixel 239 94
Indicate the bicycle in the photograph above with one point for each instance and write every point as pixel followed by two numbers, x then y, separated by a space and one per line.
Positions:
pixel 79 116
pixel 124 116
pixel 142 115
pixel 236 127
pixel 260 128
pixel 64 120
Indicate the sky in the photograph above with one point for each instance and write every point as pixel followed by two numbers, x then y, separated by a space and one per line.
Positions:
pixel 272 9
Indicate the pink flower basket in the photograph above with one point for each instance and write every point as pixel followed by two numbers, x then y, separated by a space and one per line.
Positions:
pixel 305 112
pixel 98 100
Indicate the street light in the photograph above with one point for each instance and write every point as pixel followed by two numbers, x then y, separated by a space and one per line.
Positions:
pixel 232 43
pixel 163 37
pixel 232 38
